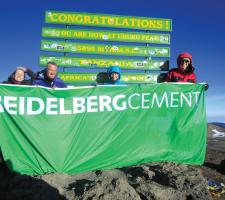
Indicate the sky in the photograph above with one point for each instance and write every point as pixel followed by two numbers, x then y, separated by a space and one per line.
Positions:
pixel 198 28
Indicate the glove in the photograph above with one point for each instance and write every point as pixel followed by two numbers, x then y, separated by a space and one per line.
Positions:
pixel 206 86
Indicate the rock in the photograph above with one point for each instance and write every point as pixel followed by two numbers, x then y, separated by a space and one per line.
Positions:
pixel 156 181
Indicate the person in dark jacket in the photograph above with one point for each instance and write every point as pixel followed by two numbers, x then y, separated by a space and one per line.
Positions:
pixel 184 71
pixel 18 77
pixel 48 77
pixel 114 76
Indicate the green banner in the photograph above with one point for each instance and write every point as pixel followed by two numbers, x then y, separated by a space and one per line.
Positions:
pixel 105 63
pixel 121 36
pixel 115 21
pixel 89 128
pixel 108 49
pixel 91 77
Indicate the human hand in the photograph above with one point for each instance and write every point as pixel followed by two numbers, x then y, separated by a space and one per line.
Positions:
pixel 206 86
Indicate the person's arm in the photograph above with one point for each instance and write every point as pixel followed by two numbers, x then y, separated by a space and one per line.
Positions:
pixel 5 82
pixel 34 82
pixel 169 77
pixel 192 79
pixel 30 73
pixel 58 83
pixel 64 85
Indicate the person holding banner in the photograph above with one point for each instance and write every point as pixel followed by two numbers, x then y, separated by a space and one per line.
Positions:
pixel 114 76
pixel 184 71
pixel 48 77
pixel 18 77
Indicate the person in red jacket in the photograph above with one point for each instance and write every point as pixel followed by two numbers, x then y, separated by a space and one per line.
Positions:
pixel 185 70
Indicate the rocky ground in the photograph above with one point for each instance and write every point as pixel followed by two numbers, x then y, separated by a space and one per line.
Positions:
pixel 159 181
pixel 214 166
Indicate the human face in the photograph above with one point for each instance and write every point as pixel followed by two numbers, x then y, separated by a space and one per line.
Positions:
pixel 51 71
pixel 114 76
pixel 184 63
pixel 19 75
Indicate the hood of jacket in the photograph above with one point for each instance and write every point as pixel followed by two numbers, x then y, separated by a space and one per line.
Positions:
pixel 114 69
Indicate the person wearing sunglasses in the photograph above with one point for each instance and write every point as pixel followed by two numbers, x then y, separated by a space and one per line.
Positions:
pixel 184 71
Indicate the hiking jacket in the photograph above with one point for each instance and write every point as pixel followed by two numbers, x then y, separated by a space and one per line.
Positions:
pixel 179 75
pixel 109 72
pixel 43 80
pixel 176 75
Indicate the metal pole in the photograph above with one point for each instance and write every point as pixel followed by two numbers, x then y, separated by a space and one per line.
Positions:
pixel 64 54
pixel 147 45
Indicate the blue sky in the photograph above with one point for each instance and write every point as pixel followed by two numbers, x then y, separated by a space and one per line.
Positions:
pixel 198 28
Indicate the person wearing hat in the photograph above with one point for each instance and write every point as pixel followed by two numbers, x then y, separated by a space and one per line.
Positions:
pixel 18 77
pixel 114 76
pixel 184 71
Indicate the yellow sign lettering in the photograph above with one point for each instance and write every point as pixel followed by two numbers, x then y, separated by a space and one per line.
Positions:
pixel 79 19
pixel 62 18
pixel 87 19
pixel 53 17
pixel 70 18
pixel 153 24
pixel 144 23
pixel 95 20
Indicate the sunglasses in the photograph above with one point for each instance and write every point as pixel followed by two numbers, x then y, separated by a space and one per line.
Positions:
pixel 184 61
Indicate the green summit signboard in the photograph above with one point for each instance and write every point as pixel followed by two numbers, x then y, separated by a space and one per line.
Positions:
pixel 121 36
pixel 84 48
pixel 105 63
pixel 114 21
pixel 74 78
